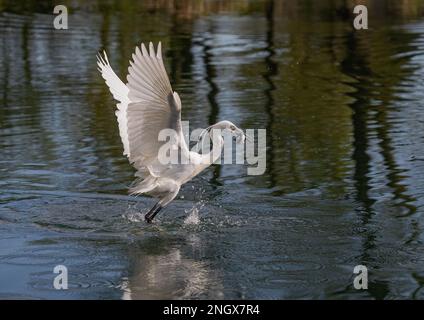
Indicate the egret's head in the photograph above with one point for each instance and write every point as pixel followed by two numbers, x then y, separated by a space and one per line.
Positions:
pixel 232 128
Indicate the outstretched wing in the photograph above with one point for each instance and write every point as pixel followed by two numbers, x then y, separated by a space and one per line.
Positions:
pixel 120 92
pixel 148 105
pixel 154 106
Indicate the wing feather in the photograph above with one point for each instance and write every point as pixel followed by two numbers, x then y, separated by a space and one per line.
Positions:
pixel 146 105
pixel 120 93
pixel 154 107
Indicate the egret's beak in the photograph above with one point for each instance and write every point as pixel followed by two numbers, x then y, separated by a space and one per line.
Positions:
pixel 240 137
pixel 249 138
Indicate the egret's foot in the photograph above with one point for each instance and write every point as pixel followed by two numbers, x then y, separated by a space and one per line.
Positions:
pixel 152 213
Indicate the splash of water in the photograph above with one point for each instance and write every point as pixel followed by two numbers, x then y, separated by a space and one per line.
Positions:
pixel 133 215
pixel 193 217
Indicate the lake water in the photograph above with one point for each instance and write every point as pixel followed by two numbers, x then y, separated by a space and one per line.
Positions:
pixel 344 185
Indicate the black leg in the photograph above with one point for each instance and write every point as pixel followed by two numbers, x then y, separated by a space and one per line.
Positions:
pixel 152 212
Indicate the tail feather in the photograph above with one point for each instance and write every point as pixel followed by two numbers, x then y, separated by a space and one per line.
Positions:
pixel 144 186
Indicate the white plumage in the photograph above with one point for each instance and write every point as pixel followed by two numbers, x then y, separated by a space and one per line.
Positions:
pixel 147 105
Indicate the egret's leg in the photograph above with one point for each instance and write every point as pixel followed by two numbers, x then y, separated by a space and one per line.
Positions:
pixel 152 212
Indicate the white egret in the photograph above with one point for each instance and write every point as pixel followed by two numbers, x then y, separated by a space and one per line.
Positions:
pixel 146 105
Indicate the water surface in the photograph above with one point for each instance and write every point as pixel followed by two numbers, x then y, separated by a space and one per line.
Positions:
pixel 344 183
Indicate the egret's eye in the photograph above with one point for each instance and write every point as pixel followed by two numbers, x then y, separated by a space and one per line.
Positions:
pixel 232 127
